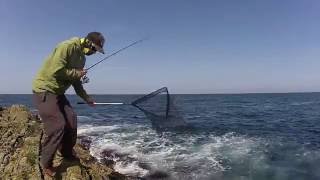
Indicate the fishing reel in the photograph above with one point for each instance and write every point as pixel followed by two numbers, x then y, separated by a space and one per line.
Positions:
pixel 85 79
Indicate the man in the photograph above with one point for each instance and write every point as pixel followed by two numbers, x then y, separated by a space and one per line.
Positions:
pixel 63 68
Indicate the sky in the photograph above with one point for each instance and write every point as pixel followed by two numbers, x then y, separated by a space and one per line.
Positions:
pixel 194 47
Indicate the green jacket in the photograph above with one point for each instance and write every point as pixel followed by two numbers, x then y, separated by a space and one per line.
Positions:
pixel 62 69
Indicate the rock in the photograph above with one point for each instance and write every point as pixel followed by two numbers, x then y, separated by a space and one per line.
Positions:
pixel 157 175
pixel 20 136
pixel 85 142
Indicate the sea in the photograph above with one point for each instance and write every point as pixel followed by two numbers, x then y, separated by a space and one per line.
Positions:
pixel 272 136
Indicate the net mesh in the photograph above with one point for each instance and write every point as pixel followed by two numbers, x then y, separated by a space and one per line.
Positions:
pixel 160 108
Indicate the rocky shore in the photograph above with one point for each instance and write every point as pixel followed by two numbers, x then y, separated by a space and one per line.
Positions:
pixel 20 137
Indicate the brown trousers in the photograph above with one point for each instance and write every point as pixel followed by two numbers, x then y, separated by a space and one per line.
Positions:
pixel 60 126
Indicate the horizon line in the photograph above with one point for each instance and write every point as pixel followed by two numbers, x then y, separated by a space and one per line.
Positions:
pixel 293 92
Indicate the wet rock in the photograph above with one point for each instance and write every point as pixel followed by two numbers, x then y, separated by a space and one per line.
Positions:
pixel 85 141
pixel 157 175
pixel 20 136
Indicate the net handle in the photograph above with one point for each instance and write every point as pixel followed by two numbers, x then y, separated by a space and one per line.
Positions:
pixel 105 103
pixel 139 100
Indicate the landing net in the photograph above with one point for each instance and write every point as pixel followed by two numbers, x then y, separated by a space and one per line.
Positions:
pixel 160 108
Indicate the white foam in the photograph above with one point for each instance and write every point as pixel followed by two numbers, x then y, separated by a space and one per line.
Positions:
pixel 131 169
pixel 194 156
pixel 87 129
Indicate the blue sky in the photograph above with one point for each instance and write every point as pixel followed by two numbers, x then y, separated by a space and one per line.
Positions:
pixel 226 46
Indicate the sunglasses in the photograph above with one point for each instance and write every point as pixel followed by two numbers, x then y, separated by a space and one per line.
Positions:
pixel 96 48
pixel 93 48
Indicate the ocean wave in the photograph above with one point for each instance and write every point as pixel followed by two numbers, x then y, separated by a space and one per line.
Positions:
pixel 83 118
pixel 89 129
pixel 302 103
pixel 180 156
pixel 137 150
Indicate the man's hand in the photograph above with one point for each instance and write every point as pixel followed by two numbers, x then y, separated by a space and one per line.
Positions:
pixel 91 102
pixel 85 79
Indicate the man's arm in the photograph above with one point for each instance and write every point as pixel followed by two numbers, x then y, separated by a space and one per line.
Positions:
pixel 77 85
pixel 60 57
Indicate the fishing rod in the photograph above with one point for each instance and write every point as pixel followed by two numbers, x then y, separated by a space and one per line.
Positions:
pixel 85 79
pixel 136 42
